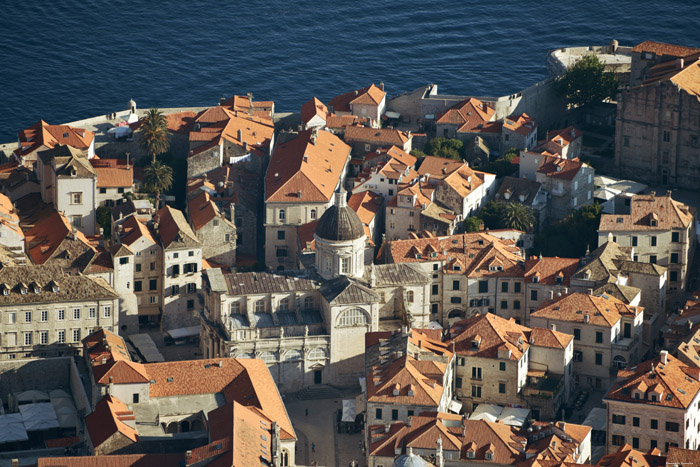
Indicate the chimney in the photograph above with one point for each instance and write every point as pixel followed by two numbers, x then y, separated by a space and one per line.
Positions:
pixel 104 360
pixel 239 134
pixel 356 92
pixel 590 291
pixel 188 457
pixel 387 428
pixel 587 318
pixel 381 85
pixel 553 327
pixel 551 294
pixel 664 356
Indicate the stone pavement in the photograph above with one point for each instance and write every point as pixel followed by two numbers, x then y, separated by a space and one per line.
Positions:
pixel 318 428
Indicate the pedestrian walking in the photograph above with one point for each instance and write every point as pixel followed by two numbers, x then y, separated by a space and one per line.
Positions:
pixel 313 447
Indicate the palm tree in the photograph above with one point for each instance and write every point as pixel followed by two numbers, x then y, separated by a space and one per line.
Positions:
pixel 157 177
pixel 518 216
pixel 154 134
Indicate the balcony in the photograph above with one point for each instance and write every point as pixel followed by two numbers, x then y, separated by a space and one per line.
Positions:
pixel 626 343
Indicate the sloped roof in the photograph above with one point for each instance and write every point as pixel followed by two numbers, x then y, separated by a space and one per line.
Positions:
pixel 557 140
pixel 467 115
pixel 133 229
pixel 42 134
pixel 540 337
pixel 558 167
pixel 366 204
pixel 391 152
pixel 310 164
pixel 108 419
pixel 513 188
pixel 439 167
pixel 675 380
pixel 383 136
pixel 492 333
pixel 345 291
pixel 645 209
pixel 68 161
pixel 244 283
pixel 114 460
pixel 112 173
pixel 8 215
pixel 370 95
pixel 601 310
pixel 312 108
pixel 202 210
pixel 465 180
pixel 217 123
pixel 522 124
pixel 103 344
pixel 551 270
pixel 405 375
pixel 179 122
pixel 52 234
pixel 173 229
pixel 661 48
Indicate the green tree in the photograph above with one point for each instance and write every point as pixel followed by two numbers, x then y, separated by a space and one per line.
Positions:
pixel 445 147
pixel 518 216
pixel 104 219
pixel 154 134
pixel 157 177
pixel 503 166
pixel 586 81
pixel 471 224
pixel 570 237
pixel 492 214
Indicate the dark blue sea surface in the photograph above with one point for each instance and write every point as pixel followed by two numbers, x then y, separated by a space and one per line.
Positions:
pixel 65 60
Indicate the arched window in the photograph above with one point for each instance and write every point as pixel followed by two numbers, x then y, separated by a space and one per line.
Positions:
pixel 284 459
pixel 344 265
pixel 353 317
pixel 455 313
pixel 281 215
pixel 312 214
pixel 317 354
pixel 268 357
pixel 309 303
pixel 619 362
pixel 409 296
pixel 260 306
pixel 235 308
pixel 284 304
pixel 292 356
pixel 244 355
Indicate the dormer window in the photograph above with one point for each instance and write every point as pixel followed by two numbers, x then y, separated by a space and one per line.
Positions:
pixel 5 289
pixel 654 223
pixel 411 392
pixel 456 267
pixel 559 280
pixel 535 279
pixel 37 289
pixel 397 389
pixel 652 397
pixel 471 454
pixel 488 456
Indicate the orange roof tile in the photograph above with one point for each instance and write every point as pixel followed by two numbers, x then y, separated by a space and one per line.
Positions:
pixel 467 115
pixel 308 165
pixel 339 122
pixel 172 227
pixel 406 374
pixel 124 372
pixel 42 134
pixel 49 233
pixel 439 167
pixel 492 333
pixel 465 180
pixel 558 167
pixel 661 48
pixel 540 337
pixel 646 210
pixel 112 173
pixel 383 136
pixel 676 380
pixel 262 109
pixel 107 420
pixel 132 229
pixel 578 307
pixel 371 95
pixel 312 108
pixel 115 460
pixel 202 209
pixel 522 124
pixel 551 270
pixel 216 123
pixel 391 152
pixel 8 215
pixel 179 122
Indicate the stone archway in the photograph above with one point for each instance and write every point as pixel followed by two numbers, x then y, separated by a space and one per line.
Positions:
pixel 172 427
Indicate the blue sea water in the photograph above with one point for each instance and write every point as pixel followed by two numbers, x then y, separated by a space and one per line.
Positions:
pixel 68 59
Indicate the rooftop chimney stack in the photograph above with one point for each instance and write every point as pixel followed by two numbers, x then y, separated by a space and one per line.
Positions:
pixel 664 356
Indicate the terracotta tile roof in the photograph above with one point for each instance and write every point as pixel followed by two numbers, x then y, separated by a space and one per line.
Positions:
pixel 202 210
pixel 626 456
pixel 340 122
pixel 366 204
pixel 646 210
pixel 689 349
pixel 383 136
pixel 677 384
pixel 67 161
pixel 504 441
pixel 575 307
pixel 488 335
pixel 249 432
pixel 465 180
pixel 371 95
pixel 439 167
pixel 558 167
pixel 180 122
pixel 685 457
pixel 391 169
pixel 108 419
pixel 133 229
pixel 467 115
pixel 312 108
pixel 173 229
pixel 550 270
pixel 479 254
pixel 305 234
pixel 418 382
pixel 422 193
pixel 391 152
pixel 522 124
pixel 103 349
pixel 263 109
pixel 112 173
pixel 42 134
pixel 124 372
pixel 52 234
pixel 216 123
pixel 540 337
pixel 115 460
pixel 661 48
pixel 308 165
pixel 557 140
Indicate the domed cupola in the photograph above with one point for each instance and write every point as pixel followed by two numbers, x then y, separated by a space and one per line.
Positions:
pixel 340 240
pixel 340 222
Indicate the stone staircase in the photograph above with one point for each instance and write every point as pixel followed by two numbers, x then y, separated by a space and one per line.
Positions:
pixel 318 391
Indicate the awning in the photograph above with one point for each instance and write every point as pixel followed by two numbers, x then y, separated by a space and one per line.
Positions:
pixel 38 417
pixel 360 403
pixel 146 347
pixel 12 428
pixel 513 417
pixel 182 333
pixel 596 419
pixel 486 412
pixel 455 406
pixel 391 114
pixel 349 411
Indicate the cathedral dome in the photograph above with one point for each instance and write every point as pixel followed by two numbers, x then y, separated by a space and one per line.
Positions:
pixel 340 222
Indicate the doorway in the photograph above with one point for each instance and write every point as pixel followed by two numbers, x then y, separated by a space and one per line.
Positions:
pixel 317 377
